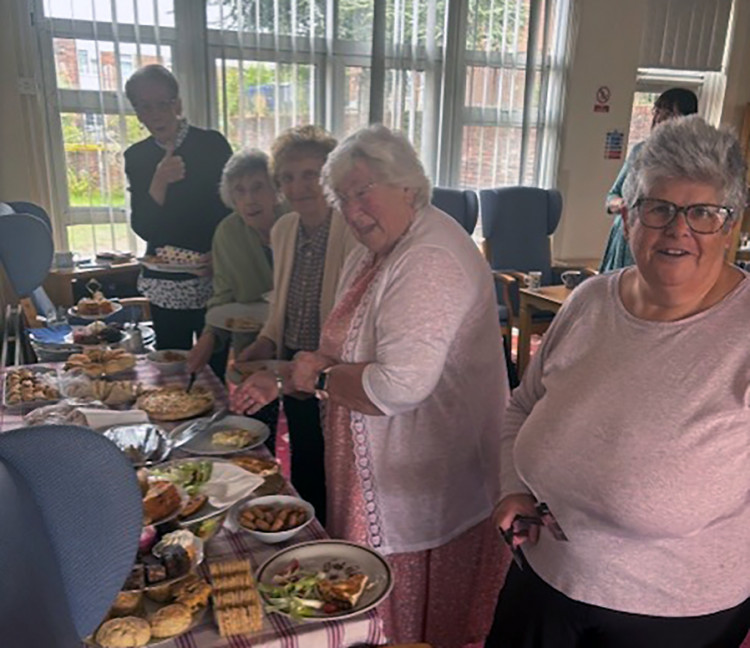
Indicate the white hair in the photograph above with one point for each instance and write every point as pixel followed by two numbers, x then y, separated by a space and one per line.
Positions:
pixel 241 164
pixel 687 148
pixel 388 154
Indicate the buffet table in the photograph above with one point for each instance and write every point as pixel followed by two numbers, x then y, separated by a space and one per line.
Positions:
pixel 278 631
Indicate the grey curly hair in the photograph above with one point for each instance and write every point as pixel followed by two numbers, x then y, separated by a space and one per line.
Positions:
pixel 388 154
pixel 242 163
pixel 688 148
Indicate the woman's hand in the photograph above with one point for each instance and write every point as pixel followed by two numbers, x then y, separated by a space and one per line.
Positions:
pixel 305 369
pixel 510 506
pixel 201 353
pixel 254 393
pixel 170 169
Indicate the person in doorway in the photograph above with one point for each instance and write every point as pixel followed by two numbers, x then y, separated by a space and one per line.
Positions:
pixel 675 102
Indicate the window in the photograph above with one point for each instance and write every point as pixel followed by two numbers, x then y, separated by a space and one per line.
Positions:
pixel 468 82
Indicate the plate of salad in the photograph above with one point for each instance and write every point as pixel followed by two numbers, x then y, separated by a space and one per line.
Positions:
pixel 213 485
pixel 323 580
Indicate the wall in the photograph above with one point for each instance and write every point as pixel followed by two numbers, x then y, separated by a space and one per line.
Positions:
pixel 605 54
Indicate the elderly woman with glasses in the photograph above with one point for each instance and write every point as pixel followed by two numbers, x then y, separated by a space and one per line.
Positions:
pixel 646 469
pixel 173 177
pixel 410 366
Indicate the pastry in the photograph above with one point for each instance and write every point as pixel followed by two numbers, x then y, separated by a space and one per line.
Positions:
pixel 161 500
pixel 232 438
pixel 160 593
pixel 136 579
pixel 126 604
pixel 260 467
pixel 124 632
pixel 192 592
pixel 174 403
pixel 343 593
pixel 170 620
pixel 193 505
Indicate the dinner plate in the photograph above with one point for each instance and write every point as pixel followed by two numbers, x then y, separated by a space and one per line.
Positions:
pixel 221 470
pixel 241 370
pixel 73 312
pixel 173 268
pixel 201 444
pixel 334 556
pixel 252 316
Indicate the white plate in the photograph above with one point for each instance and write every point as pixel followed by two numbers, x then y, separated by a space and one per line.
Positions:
pixel 201 444
pixel 73 312
pixel 255 311
pixel 316 555
pixel 174 268
pixel 124 337
pixel 222 472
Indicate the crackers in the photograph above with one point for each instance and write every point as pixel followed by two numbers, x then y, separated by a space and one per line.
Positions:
pixel 237 606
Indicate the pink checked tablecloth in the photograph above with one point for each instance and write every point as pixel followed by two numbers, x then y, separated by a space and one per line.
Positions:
pixel 278 631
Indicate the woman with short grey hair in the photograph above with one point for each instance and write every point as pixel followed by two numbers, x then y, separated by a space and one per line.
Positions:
pixel 631 426
pixel 242 260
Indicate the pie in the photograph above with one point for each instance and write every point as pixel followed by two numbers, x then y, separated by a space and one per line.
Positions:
pixel 343 593
pixel 232 438
pixel 256 465
pixel 175 404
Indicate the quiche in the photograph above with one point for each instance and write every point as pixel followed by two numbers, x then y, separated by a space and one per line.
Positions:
pixel 175 404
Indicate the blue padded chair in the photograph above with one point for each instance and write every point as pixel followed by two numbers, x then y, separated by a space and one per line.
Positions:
pixel 517 223
pixel 71 515
pixel 462 205
pixel 26 251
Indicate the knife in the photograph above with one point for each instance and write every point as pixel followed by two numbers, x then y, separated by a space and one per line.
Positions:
pixel 191 381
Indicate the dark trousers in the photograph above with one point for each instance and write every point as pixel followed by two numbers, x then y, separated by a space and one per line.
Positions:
pixel 531 614
pixel 175 330
pixel 306 441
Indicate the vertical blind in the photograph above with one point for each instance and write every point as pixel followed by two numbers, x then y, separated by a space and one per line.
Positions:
pixel 475 84
pixel 685 34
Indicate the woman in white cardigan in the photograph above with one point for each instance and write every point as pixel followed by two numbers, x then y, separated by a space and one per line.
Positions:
pixel 410 364
pixel 309 247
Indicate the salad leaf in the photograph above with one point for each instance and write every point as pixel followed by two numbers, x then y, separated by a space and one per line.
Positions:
pixel 191 475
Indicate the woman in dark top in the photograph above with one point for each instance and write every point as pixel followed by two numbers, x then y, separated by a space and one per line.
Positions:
pixel 174 184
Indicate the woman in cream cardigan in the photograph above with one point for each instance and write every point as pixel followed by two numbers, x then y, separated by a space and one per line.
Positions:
pixel 309 247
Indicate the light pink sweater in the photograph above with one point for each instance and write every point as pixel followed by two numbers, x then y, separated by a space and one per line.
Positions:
pixel 637 435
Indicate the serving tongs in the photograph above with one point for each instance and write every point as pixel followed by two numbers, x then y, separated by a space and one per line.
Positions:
pixel 195 428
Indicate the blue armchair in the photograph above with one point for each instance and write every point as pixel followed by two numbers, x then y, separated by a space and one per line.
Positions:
pixel 517 223
pixel 462 205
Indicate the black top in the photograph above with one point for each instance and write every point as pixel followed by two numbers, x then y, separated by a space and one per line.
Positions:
pixel 192 208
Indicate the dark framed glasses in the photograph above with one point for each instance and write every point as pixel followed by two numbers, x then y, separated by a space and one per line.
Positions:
pixel 701 218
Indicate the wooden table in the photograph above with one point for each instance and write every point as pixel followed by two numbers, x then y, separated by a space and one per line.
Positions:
pixel 60 283
pixel 546 298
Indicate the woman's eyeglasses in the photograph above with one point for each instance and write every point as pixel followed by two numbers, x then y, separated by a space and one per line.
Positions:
pixel 700 218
